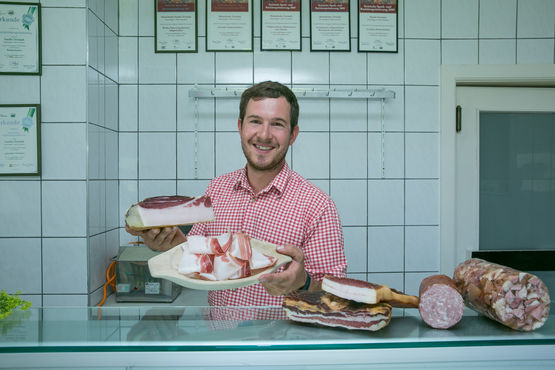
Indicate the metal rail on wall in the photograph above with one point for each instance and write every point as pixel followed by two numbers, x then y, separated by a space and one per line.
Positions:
pixel 198 92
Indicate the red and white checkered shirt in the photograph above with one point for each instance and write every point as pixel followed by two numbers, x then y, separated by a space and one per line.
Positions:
pixel 290 210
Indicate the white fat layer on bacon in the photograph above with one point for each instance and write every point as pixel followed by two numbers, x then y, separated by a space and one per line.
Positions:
pixel 225 267
pixel 181 214
pixel 260 260
pixel 189 262
pixel 326 320
pixel 208 276
pixel 364 295
pixel 198 244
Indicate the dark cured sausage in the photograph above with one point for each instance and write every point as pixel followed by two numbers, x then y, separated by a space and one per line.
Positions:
pixel 514 298
pixel 441 305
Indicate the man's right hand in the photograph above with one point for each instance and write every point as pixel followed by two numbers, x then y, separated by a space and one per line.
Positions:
pixel 159 239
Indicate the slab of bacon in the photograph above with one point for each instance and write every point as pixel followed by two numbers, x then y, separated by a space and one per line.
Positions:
pixel 228 256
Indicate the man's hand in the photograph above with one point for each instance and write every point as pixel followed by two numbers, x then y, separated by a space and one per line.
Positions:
pixel 292 278
pixel 159 239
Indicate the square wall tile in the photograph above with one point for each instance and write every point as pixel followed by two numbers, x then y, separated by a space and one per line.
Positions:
pixel 128 18
pixel 313 113
pixel 497 19
pixel 323 185
pixel 386 159
pixel 65 300
pixel 19 89
pixel 535 18
pixel 535 51
pixel 60 85
pixel 393 111
pixel 348 67
pixel 422 248
pixel 310 67
pixel 64 265
pixel 128 195
pixel 459 19
pixel 128 107
pixel 96 210
pixel 413 280
pixel 422 202
pixel 157 107
pixel 422 155
pixel 153 188
pixel 128 59
pixel 97 261
pixel 64 205
pixel 422 59
pixel 97 152
pixel 386 202
pixel 154 67
pixel 310 154
pixel 393 280
pixel 387 68
pixel 234 67
pixel 196 68
pixel 93 96
pixel 355 249
pixel 92 40
pixel 349 197
pixel 20 211
pixel 386 248
pixel 195 151
pixel 348 155
pixel 196 113
pixel 128 155
pixel 422 19
pixel 348 115
pixel 111 54
pixel 422 107
pixel 111 14
pixel 112 205
pixel 146 18
pixel 157 156
pixel 58 45
pixel 497 51
pixel 459 52
pixel 20 265
pixel 63 143
pixel 229 155
pixel 227 115
pixel 272 65
pixel 111 105
pixel 192 187
pixel 112 154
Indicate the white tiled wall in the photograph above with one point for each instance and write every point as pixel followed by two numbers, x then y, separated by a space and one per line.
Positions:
pixel 118 127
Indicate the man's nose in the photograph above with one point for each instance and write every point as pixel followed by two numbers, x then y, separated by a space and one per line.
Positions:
pixel 264 131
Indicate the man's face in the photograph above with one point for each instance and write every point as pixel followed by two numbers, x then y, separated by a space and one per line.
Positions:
pixel 266 133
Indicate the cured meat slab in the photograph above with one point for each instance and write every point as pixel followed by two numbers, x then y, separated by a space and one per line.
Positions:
pixel 165 211
pixel 365 292
pixel 319 307
pixel 441 305
pixel 514 298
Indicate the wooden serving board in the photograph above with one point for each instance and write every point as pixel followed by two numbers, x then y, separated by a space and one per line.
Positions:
pixel 165 264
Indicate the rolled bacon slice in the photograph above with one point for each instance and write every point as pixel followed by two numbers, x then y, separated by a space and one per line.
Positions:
pixel 195 263
pixel 365 292
pixel 514 298
pixel 165 211
pixel 326 309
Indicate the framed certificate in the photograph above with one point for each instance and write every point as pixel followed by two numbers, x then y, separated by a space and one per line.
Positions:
pixel 330 25
pixel 20 139
pixel 229 25
pixel 20 43
pixel 175 26
pixel 280 25
pixel 377 25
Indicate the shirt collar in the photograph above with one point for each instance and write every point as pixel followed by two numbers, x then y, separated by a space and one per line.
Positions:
pixel 277 185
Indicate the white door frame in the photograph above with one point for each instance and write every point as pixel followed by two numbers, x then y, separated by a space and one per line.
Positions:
pixel 452 76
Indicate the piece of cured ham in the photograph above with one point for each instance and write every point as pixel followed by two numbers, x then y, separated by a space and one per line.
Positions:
pixel 164 211
pixel 192 262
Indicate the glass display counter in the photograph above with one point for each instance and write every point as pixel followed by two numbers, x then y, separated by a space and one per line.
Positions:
pixel 169 336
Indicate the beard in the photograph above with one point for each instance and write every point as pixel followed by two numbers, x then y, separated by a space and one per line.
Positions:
pixel 275 163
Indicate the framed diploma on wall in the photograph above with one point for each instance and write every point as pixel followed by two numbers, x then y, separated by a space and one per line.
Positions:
pixel 20 139
pixel 330 25
pixel 280 25
pixel 229 25
pixel 175 26
pixel 377 25
pixel 20 38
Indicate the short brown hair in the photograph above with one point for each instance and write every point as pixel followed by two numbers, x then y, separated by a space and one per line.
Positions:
pixel 270 89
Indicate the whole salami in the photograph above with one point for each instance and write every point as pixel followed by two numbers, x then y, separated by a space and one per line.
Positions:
pixel 441 305
pixel 516 299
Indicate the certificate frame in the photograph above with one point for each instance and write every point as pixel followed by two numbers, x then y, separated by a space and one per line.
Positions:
pixel 378 26
pixel 220 13
pixel 27 160
pixel 319 41
pixel 286 38
pixel 18 17
pixel 177 32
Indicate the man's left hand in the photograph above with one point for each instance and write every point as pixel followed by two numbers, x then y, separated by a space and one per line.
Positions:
pixel 292 278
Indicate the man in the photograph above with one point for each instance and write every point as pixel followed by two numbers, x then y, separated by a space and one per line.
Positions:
pixel 270 202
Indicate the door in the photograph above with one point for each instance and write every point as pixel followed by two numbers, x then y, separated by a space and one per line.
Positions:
pixel 505 173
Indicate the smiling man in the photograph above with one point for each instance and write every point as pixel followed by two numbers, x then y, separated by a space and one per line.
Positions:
pixel 270 202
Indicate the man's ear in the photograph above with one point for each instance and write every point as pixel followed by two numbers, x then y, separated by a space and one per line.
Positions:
pixel 294 135
pixel 239 124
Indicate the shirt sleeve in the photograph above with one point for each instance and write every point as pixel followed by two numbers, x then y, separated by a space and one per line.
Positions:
pixel 324 250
